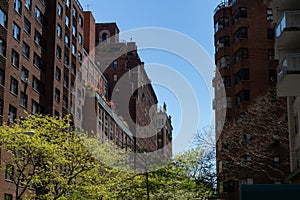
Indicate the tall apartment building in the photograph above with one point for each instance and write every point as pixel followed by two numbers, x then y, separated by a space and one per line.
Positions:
pixel 40 56
pixel 48 66
pixel 246 69
pixel 119 60
pixel 287 51
pixel 41 51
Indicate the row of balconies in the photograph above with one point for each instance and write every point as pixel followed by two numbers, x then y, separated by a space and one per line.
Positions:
pixel 288 49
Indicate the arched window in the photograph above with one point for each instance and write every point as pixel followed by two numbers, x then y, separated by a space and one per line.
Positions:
pixel 104 37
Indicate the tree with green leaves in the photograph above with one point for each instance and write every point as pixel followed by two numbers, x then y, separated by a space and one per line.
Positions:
pixel 45 159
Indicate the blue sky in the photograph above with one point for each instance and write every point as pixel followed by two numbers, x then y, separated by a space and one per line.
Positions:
pixel 194 18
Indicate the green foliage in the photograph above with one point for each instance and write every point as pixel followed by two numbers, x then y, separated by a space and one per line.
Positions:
pixel 50 161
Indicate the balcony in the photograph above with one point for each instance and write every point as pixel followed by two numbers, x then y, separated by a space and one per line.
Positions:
pixel 288 75
pixel 286 4
pixel 288 30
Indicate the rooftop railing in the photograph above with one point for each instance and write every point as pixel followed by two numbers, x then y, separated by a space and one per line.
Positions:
pixel 222 5
pixel 288 20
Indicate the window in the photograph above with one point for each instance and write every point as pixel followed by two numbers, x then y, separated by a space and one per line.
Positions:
pixel 80 56
pixel 40 17
pixel 58 74
pixel 222 42
pixel 8 197
pixel 35 107
pixel 270 34
pixel 37 85
pixel 57 95
pixel 67 21
pixel 241 33
pixel 27 25
pixel 65 102
pixel 18 6
pixel 2 48
pixel 59 32
pixel 115 64
pixel 24 74
pixel 74 10
pixel 3 18
pixel 79 38
pixel 58 52
pixel 115 77
pixel 2 77
pixel 15 58
pixel 66 81
pixel 80 22
pixel 72 87
pixel 25 50
pixel 242 96
pixel 28 4
pixel 239 13
pixel 38 62
pixel 242 53
pixel 276 160
pixel 9 172
pixel 269 15
pixel 23 100
pixel 222 22
pixel 227 81
pixel 12 115
pixel 16 31
pixel 296 125
pixel 243 74
pixel 73 49
pixel 246 181
pixel 68 3
pixel 223 62
pixel 38 38
pixel 74 30
pixel 59 10
pixel 67 41
pixel 78 113
pixel 104 37
pixel 56 113
pixel 73 69
pixel 66 61
pixel 229 102
pixel 228 186
pixel 13 86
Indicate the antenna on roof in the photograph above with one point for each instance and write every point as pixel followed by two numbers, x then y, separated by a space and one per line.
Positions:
pixel 87 7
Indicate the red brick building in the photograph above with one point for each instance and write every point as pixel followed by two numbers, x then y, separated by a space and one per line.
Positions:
pixel 246 69
pixel 119 61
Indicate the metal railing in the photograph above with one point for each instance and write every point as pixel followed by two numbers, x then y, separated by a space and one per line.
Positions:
pixel 289 64
pixel 222 5
pixel 114 115
pixel 288 20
